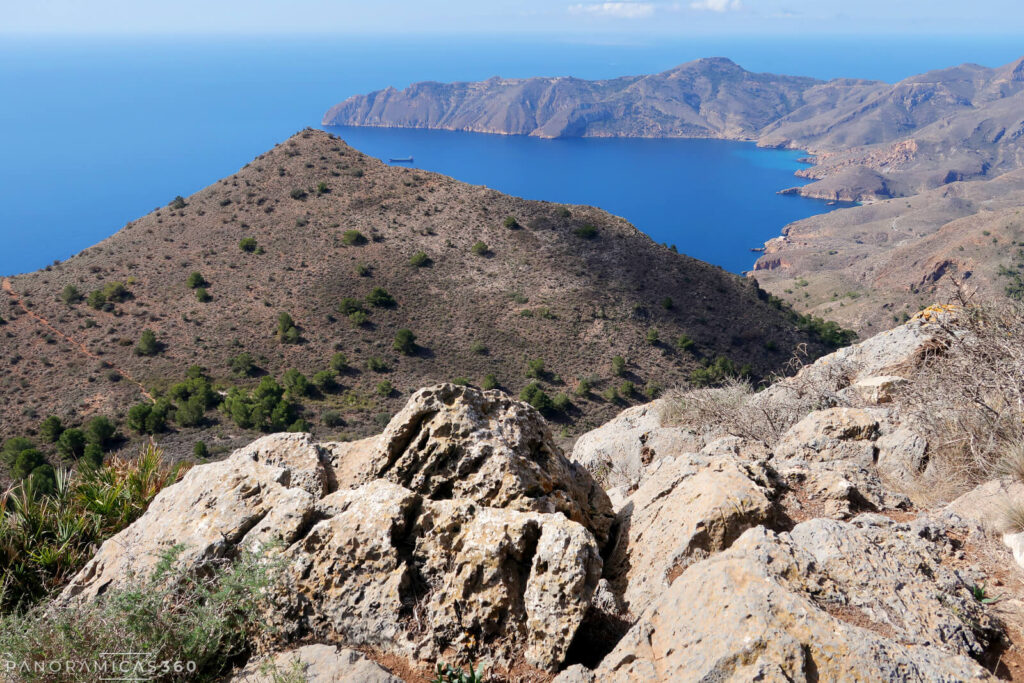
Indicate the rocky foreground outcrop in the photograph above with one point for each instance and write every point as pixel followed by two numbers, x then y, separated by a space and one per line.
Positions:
pixel 463 532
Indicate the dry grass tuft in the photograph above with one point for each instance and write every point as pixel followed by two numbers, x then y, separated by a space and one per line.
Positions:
pixel 969 396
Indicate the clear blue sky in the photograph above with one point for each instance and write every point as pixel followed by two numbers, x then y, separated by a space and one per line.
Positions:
pixel 617 18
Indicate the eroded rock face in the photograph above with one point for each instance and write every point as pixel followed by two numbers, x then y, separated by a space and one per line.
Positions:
pixel 254 496
pixel 687 509
pixel 395 570
pixel 459 442
pixel 618 452
pixel 766 609
pixel 830 435
pixel 470 529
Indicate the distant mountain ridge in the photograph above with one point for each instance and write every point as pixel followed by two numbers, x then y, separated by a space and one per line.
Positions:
pixel 705 98
pixel 870 139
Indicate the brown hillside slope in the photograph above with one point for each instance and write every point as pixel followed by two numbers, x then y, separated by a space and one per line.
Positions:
pixel 543 289
pixel 870 266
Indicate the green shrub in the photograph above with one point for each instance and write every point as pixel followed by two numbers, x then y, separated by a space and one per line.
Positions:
pixel 71 443
pixel 148 345
pixel 490 382
pixel 204 616
pixel 13 447
pixel 95 299
pixel 511 223
pixel 349 305
pixel 339 363
pixel 627 389
pixel 298 193
pixel 358 318
pixel 479 248
pixel 385 388
pixel 332 418
pixel 200 450
pixel 405 342
pixel 419 260
pixel 563 212
pixel 362 270
pixel 295 383
pixel 50 429
pixel 149 418
pixel 100 431
pixel 243 365
pixel 203 296
pixel 652 390
pixel 380 298
pixel 92 458
pixel 652 336
pixel 287 331
pixel 561 403
pixel 43 479
pixel 248 245
pixel 190 413
pixel 177 204
pixel 46 539
pixel 27 461
pixel 321 188
pixel 667 303
pixel 264 408
pixel 325 381
pixel 827 332
pixel 447 673
pixel 611 395
pixel 684 343
pixel 618 366
pixel 587 232
pixel 353 238
pixel 535 368
pixel 478 348
pixel 717 371
pixel 195 280
pixel 298 427
pixel 535 396
pixel 583 387
pixel 70 295
pixel 460 381
pixel 376 364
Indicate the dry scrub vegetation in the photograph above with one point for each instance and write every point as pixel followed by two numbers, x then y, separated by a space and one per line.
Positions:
pixel 968 396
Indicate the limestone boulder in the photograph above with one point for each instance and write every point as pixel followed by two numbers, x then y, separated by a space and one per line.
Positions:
pixel 834 434
pixel 461 528
pixel 315 664
pixel 836 490
pixel 876 390
pixel 618 453
pixel 768 609
pixel 988 505
pixel 258 494
pixel 456 442
pixel 394 570
pixel 687 509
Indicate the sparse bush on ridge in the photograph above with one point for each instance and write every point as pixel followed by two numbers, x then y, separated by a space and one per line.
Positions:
pixel 148 345
pixel 287 331
pixel 587 232
pixel 405 342
pixel 420 260
pixel 353 238
pixel 535 396
pixel 195 280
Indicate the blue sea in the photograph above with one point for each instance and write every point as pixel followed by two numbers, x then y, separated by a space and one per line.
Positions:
pixel 95 132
